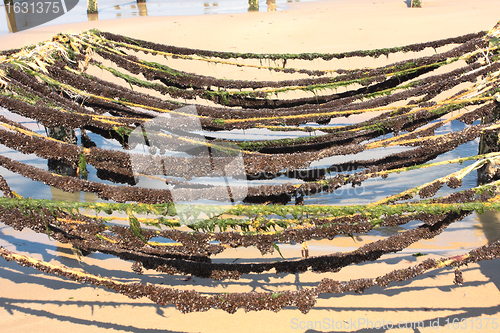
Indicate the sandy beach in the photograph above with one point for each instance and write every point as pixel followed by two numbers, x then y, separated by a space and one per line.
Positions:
pixel 33 301
pixel 322 26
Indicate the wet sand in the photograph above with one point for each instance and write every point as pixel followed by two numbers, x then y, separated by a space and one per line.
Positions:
pixel 33 301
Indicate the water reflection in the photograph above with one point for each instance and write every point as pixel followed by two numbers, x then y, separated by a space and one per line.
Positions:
pixel 209 7
pixel 143 8
pixel 67 135
pixel 93 17
pixel 271 5
pixel 219 7
pixel 489 225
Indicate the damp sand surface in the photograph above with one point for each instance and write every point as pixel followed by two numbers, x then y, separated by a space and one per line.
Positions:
pixel 33 301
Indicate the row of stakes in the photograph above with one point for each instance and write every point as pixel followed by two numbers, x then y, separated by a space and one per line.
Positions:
pixel 253 5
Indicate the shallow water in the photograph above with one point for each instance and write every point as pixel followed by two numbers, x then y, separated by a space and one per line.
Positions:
pixel 472 231
pixel 116 9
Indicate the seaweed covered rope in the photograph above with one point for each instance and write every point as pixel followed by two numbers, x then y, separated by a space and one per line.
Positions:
pixel 409 119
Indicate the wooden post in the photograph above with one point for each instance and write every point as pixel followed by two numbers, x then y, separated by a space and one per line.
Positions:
pixel 253 5
pixel 11 15
pixel 416 4
pixel 67 135
pixel 91 6
pixel 489 143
